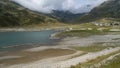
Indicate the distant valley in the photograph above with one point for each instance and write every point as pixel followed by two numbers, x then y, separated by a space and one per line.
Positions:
pixel 14 15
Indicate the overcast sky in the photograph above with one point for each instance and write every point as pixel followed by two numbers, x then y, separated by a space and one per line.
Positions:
pixel 46 6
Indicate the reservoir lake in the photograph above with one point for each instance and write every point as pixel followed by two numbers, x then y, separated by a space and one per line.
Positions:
pixel 9 39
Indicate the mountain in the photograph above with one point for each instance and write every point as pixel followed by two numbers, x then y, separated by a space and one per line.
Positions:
pixel 65 16
pixel 12 14
pixel 109 9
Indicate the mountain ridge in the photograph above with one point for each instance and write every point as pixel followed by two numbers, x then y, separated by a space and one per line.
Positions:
pixel 12 14
pixel 108 9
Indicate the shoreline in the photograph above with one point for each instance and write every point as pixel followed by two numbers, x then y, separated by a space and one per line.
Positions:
pixel 20 29
pixel 65 44
pixel 28 29
pixel 30 45
pixel 65 61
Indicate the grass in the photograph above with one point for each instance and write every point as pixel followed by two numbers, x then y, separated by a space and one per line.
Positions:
pixel 94 48
pixel 78 66
pixel 80 33
pixel 113 63
pixel 97 60
pixel 116 39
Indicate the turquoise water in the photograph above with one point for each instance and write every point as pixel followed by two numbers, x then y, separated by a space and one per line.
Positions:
pixel 18 38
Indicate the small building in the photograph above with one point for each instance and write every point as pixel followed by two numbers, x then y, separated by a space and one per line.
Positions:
pixel 115 24
pixel 106 24
pixel 101 24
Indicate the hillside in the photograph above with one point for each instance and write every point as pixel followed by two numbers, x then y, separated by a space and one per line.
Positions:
pixel 65 16
pixel 109 9
pixel 12 14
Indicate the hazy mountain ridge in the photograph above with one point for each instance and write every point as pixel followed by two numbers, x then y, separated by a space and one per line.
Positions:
pixel 65 16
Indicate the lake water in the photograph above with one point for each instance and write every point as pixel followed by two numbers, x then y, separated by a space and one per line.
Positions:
pixel 18 38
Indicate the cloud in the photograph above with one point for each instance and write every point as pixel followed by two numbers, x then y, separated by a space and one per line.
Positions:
pixel 46 6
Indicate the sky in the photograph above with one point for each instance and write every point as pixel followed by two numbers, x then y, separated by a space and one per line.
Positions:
pixel 74 6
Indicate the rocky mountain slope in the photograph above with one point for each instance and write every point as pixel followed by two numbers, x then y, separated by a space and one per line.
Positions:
pixel 109 9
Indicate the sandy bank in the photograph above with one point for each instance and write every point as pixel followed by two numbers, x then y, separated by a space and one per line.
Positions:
pixel 63 61
pixel 51 63
pixel 76 41
pixel 9 57
pixel 19 29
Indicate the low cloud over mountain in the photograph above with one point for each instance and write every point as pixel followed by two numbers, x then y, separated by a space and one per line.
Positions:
pixel 46 6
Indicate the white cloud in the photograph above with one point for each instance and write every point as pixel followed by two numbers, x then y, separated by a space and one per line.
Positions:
pixel 46 6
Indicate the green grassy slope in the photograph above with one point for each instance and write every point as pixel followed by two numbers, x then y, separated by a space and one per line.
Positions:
pixel 12 14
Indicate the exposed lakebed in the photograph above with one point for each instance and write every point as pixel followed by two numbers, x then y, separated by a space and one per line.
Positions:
pixel 68 50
